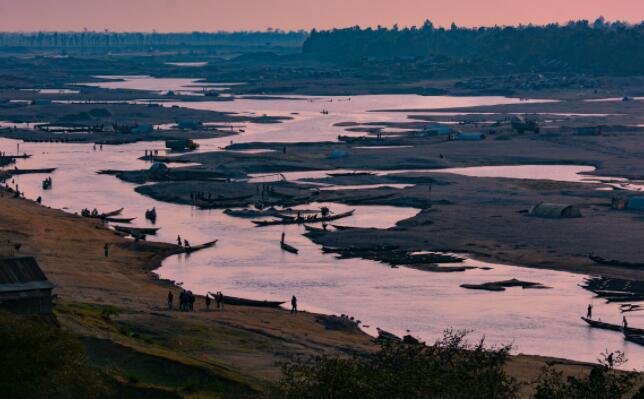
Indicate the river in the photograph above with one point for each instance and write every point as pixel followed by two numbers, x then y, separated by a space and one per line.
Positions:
pixel 247 261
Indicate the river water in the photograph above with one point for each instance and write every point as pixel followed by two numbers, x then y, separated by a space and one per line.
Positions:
pixel 247 260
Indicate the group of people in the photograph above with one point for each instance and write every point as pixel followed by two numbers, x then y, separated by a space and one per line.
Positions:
pixel 86 213
pixel 151 153
pixel 100 146
pixel 185 242
pixel 187 300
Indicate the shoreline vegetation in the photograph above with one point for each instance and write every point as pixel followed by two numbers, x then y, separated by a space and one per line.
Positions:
pixel 114 306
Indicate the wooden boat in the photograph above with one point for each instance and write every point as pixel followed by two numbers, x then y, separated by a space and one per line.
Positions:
pixel 313 229
pixel 31 171
pixel 303 220
pixel 200 247
pixel 110 214
pixel 335 226
pixel 635 338
pixel 286 247
pixel 136 230
pixel 46 184
pixel 231 300
pixel 350 174
pixel 612 262
pixel 612 327
pixel 289 248
pixel 118 220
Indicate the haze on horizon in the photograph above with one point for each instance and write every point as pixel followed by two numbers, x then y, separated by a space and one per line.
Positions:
pixel 234 15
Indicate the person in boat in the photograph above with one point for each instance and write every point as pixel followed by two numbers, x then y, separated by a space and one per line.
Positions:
pixel 85 212
pixel 325 211
pixel 624 323
pixel 208 301
pixel 106 250
pixel 170 299
pixel 186 243
pixel 589 313
pixel 94 212
pixel 179 240
pixel 293 304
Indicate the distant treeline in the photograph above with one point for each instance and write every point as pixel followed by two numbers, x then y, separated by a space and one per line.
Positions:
pixel 577 46
pixel 74 40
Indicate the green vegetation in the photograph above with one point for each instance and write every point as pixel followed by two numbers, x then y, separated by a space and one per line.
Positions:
pixel 451 368
pixel 40 361
pixel 578 46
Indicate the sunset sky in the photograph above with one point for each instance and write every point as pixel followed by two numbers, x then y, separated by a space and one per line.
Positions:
pixel 213 15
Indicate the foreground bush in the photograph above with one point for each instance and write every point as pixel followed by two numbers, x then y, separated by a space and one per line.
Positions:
pixel 39 361
pixel 450 369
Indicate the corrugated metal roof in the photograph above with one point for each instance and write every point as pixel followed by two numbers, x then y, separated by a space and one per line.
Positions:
pixel 22 273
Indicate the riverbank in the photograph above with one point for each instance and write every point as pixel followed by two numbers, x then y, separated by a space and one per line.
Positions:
pixel 118 306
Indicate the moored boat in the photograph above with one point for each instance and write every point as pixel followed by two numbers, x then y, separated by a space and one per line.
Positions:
pixel 231 300
pixel 304 220
pixel 612 327
pixel 136 231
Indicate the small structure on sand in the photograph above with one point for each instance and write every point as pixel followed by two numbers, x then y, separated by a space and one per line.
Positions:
pixel 555 211
pixel 24 288
pixel 635 204
pixel 461 136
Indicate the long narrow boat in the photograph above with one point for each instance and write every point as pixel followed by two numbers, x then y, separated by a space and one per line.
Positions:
pixel 303 220
pixel 612 327
pixel 200 247
pixel 289 248
pixel 118 220
pixel 136 230
pixel 636 338
pixel 231 300
pixel 110 214
pixel 351 174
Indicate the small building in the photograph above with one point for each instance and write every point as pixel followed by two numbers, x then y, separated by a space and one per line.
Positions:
pixel 460 136
pixel 636 204
pixel 555 211
pixel 189 125
pixel 24 288
pixel 435 130
pixel 337 154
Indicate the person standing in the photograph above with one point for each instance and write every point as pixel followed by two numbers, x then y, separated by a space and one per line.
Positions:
pixel 625 323
pixel 208 302
pixel 293 304
pixel 170 299
pixel 589 313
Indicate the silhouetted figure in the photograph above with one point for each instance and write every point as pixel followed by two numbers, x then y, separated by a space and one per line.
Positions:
pixel 610 360
pixel 39 200
pixel 208 302
pixel 625 323
pixel 179 240
pixel 106 250
pixel 293 304
pixel 186 243
pixel 589 313
pixel 170 300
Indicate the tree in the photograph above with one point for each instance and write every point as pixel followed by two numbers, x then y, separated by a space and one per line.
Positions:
pixel 451 368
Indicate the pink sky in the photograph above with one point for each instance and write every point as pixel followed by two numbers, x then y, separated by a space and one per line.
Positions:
pixel 213 15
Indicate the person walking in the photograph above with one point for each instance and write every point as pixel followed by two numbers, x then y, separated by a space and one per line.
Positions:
pixel 170 300
pixel 293 304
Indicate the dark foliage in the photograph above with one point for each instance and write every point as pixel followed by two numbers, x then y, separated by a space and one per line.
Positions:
pixel 578 46
pixel 40 361
pixel 451 368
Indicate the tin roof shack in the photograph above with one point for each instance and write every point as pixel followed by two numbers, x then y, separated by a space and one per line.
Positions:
pixel 24 288
pixel 435 130
pixel 555 211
